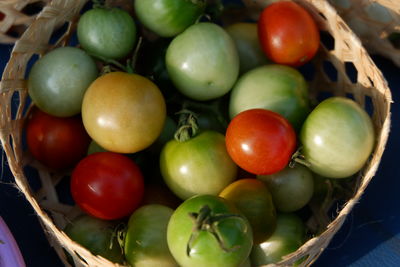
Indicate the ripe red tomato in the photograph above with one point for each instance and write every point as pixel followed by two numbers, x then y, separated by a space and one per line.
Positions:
pixel 58 143
pixel 107 185
pixel 288 34
pixel 260 141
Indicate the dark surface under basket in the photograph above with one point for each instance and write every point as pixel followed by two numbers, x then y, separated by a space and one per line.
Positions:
pixel 370 236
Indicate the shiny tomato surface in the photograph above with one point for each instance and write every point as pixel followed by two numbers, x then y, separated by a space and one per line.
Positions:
pixel 260 141
pixel 107 185
pixel 288 34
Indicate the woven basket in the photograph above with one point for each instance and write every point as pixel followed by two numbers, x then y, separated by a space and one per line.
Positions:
pixel 374 21
pixel 16 16
pixel 368 87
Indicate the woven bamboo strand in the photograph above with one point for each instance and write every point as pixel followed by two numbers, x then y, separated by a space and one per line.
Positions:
pixel 347 48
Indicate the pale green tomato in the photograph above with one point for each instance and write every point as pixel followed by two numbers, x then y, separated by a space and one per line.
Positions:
pixel 146 237
pixel 278 88
pixel 337 138
pixel 245 36
pixel 58 81
pixel 200 165
pixel 203 61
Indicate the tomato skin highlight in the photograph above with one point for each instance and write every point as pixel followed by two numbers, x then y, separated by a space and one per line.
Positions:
pixel 107 185
pixel 58 143
pixel 260 141
pixel 288 34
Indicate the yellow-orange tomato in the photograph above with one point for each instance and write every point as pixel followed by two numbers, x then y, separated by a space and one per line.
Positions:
pixel 254 200
pixel 123 112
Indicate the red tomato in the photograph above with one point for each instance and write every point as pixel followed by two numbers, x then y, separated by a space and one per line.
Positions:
pixel 288 34
pixel 107 185
pixel 58 143
pixel 1 16
pixel 260 141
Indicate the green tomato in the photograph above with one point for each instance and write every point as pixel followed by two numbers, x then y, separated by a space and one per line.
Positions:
pixel 337 138
pixel 278 88
pixel 97 236
pixel 94 148
pixel 168 18
pixel 245 36
pixel 196 226
pixel 58 81
pixel 200 165
pixel 254 200
pixel 203 61
pixel 146 237
pixel 108 33
pixel 291 188
pixel 287 238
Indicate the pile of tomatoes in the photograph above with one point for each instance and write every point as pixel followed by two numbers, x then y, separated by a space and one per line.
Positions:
pixel 202 134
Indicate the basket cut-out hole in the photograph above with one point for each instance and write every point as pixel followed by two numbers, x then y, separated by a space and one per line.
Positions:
pixel 327 40
pixel 350 96
pixel 330 70
pixel 369 106
pixel 33 8
pixel 308 71
pixel 351 71
pixel 33 178
pixel 59 33
pixel 30 64
pixel 63 191
pixel 322 95
pixel 394 39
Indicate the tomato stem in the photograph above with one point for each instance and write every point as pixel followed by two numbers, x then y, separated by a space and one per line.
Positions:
pixel 98 3
pixel 187 125
pixel 213 107
pixel 131 65
pixel 205 220
pixel 297 157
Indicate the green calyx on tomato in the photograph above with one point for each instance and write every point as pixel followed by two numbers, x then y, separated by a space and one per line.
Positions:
pixel 187 125
pixel 229 246
pixel 205 220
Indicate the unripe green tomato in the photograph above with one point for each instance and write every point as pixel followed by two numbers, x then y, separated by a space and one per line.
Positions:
pixel 146 237
pixel 108 33
pixel 168 18
pixel 58 81
pixel 245 36
pixel 203 61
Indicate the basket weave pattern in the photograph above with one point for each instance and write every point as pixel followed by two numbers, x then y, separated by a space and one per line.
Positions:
pixel 368 86
pixel 373 21
pixel 14 18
